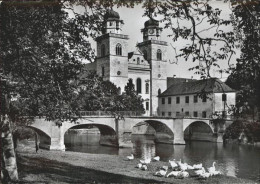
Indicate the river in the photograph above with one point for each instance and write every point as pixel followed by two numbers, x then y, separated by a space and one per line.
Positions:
pixel 242 161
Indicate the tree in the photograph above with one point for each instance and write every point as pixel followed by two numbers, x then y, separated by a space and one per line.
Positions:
pixel 245 76
pixel 191 21
pixel 41 51
pixel 95 94
pixel 132 100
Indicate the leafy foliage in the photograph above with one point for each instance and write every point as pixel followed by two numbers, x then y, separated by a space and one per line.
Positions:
pixel 96 94
pixel 191 21
pixel 245 77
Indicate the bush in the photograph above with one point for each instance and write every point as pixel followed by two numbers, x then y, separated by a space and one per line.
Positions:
pixel 251 130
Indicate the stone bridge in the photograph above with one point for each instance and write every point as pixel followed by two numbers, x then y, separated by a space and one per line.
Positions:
pixel 118 132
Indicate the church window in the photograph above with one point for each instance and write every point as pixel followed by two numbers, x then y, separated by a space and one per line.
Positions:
pixel 119 49
pixel 103 50
pixel 159 54
pixel 145 54
pixel 103 71
pixel 139 86
pixel 147 88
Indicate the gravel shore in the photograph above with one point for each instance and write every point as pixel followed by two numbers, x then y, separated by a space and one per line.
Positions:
pixel 73 167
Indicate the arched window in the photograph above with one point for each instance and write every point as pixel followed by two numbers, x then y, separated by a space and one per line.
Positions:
pixel 119 49
pixel 103 50
pixel 159 91
pixel 159 54
pixel 119 91
pixel 138 86
pixel 147 88
pixel 145 54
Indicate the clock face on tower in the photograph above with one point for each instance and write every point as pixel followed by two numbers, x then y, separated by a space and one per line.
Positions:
pixel 151 31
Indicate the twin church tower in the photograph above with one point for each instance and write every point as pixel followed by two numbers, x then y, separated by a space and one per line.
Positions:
pixel 146 66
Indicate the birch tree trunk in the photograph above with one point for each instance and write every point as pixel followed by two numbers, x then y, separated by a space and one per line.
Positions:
pixel 8 158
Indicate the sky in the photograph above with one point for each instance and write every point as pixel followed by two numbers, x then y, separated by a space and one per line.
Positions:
pixel 134 22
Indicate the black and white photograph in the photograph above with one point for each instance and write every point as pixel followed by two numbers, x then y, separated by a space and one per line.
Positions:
pixel 130 91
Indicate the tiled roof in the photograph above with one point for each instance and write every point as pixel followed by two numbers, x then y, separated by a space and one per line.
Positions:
pixel 197 86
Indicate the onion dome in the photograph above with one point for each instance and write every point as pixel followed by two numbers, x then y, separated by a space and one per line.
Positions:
pixel 151 23
pixel 111 15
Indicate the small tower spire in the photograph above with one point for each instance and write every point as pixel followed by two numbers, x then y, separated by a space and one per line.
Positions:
pixel 151 30
pixel 112 22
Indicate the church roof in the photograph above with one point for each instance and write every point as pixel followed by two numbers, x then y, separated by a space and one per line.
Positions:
pixel 212 85
pixel 151 23
pixel 111 15
pixel 136 52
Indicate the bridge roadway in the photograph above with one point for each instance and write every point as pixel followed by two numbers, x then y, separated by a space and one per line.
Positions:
pixel 118 132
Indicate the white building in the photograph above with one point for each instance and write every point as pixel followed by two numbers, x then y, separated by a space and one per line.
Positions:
pixel 146 66
pixel 183 98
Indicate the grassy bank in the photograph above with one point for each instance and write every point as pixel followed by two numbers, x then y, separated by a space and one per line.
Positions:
pixel 71 167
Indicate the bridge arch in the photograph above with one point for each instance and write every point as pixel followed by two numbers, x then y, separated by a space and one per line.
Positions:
pixel 44 137
pixel 163 133
pixel 107 133
pixel 198 130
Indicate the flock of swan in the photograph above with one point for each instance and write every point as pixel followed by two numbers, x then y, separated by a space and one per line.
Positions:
pixel 177 169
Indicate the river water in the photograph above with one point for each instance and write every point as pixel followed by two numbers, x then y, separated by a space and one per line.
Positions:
pixel 242 161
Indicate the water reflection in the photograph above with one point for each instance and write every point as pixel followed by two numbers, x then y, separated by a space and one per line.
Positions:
pixel 232 160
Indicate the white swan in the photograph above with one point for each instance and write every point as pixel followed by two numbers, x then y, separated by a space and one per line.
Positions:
pixel 184 174
pixel 160 173
pixel 183 166
pixel 197 166
pixel 157 158
pixel 189 167
pixel 200 171
pixel 131 157
pixel 173 163
pixel 144 167
pixel 205 175
pixel 146 161
pixel 215 173
pixel 212 169
pixel 139 166
pixel 173 173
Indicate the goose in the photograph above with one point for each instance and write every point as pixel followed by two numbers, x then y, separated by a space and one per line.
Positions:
pixel 215 173
pixel 200 171
pixel 173 163
pixel 160 173
pixel 197 166
pixel 205 175
pixel 146 161
pixel 189 167
pixel 157 158
pixel 184 174
pixel 139 166
pixel 131 157
pixel 183 166
pixel 212 169
pixel 144 167
pixel 173 173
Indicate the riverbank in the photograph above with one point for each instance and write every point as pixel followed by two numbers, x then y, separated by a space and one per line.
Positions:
pixel 73 167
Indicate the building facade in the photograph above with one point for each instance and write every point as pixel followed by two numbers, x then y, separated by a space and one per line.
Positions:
pixel 196 98
pixel 146 66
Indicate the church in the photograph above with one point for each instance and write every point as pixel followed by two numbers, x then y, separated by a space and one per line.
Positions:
pixel 146 65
